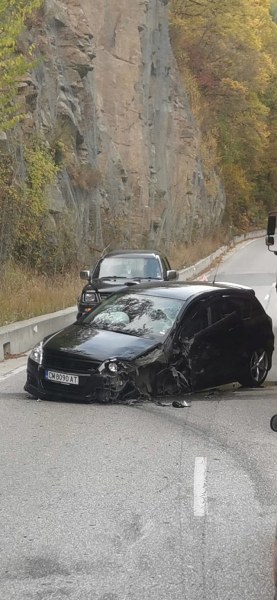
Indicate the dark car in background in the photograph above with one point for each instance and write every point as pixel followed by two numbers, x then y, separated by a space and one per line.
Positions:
pixel 156 339
pixel 118 269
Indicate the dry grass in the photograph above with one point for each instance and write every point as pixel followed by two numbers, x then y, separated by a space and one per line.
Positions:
pixel 25 294
pixel 186 255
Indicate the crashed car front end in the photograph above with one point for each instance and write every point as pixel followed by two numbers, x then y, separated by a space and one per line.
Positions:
pixel 50 376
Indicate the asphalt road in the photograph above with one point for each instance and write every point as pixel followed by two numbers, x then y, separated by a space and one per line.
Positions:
pixel 145 502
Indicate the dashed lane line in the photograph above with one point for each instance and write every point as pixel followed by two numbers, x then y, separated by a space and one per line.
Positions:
pixel 200 507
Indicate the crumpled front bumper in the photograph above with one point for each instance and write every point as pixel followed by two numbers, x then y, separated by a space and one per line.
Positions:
pixel 147 376
pixel 94 387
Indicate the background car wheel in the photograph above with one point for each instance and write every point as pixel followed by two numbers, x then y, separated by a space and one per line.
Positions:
pixel 256 370
pixel 273 424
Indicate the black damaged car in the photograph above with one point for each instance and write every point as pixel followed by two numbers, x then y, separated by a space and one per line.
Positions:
pixel 158 339
pixel 120 268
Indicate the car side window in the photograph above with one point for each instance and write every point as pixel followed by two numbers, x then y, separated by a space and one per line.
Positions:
pixel 226 305
pixel 197 319
pixel 241 306
pixel 221 309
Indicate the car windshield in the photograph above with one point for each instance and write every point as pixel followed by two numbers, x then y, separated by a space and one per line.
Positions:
pixel 128 266
pixel 140 315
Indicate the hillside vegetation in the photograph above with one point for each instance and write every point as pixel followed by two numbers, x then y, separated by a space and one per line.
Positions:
pixel 227 53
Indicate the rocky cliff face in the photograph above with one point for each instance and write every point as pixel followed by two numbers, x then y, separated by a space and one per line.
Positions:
pixel 106 88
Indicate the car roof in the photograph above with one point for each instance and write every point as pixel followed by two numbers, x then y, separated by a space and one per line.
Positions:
pixel 183 290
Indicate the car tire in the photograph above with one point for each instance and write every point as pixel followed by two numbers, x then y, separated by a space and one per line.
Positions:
pixel 273 425
pixel 256 369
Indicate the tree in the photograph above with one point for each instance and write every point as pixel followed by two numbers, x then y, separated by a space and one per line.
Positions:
pixel 13 65
pixel 230 48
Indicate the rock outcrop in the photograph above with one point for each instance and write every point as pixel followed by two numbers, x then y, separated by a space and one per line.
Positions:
pixel 106 91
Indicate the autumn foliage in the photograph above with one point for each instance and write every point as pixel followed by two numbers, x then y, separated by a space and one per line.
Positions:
pixel 227 55
pixel 227 51
pixel 13 64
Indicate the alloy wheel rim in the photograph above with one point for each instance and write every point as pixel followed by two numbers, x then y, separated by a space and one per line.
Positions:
pixel 259 365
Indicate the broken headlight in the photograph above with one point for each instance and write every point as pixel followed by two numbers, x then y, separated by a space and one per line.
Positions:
pixel 111 366
pixel 114 370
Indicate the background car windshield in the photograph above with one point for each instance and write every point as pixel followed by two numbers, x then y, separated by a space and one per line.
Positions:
pixel 136 314
pixel 130 267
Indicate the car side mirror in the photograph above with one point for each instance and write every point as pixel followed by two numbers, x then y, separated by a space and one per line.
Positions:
pixel 269 240
pixel 172 274
pixel 85 275
pixel 273 423
pixel 271 225
pixel 270 237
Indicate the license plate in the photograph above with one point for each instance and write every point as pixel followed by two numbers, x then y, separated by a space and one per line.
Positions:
pixel 66 378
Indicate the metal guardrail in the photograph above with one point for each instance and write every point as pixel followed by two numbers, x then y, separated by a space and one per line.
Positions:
pixel 21 336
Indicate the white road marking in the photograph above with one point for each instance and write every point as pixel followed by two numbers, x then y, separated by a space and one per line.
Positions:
pixel 14 372
pixel 200 507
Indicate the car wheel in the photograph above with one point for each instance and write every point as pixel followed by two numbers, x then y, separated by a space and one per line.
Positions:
pixel 256 369
pixel 273 424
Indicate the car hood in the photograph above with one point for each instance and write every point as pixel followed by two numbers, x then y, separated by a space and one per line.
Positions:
pixel 97 344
